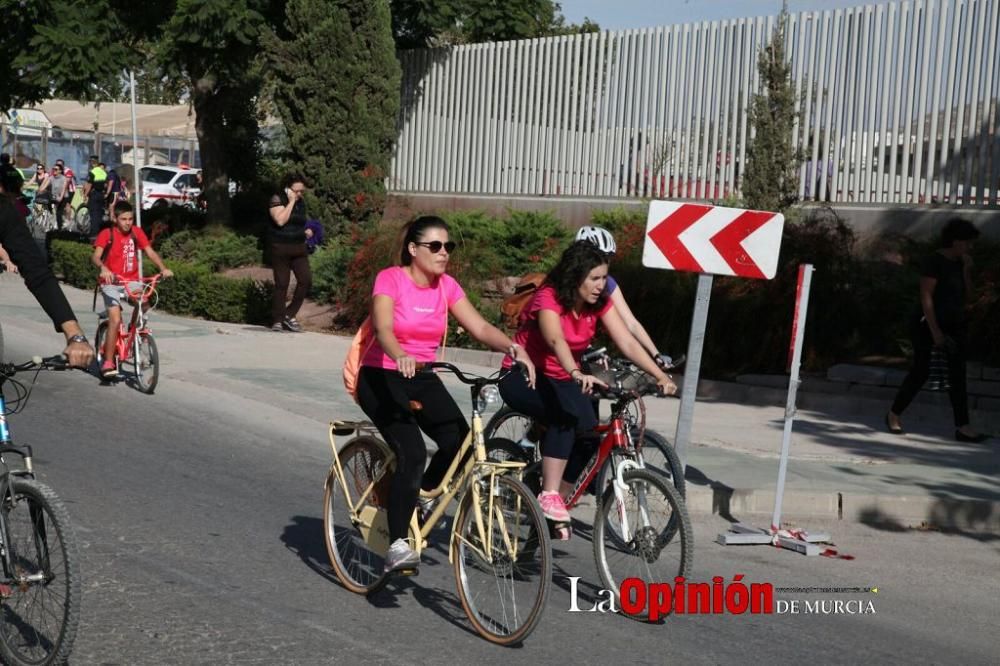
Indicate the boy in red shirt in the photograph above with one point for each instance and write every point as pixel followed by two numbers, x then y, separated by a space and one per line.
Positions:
pixel 116 254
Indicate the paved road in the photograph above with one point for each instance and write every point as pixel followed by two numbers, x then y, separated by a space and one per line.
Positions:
pixel 198 510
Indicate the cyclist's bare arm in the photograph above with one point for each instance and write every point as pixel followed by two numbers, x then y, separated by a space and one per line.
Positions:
pixel 633 325
pixel 633 350
pixel 157 261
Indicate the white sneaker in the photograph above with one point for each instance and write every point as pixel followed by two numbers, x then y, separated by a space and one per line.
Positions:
pixel 401 556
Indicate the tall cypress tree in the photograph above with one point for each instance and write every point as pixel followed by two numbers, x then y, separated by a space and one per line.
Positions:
pixel 771 178
pixel 335 82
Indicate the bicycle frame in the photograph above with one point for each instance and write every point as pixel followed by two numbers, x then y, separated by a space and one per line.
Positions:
pixel 469 465
pixel 616 434
pixel 128 337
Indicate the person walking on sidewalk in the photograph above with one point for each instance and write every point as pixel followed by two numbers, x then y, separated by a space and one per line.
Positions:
pixel 939 324
pixel 287 245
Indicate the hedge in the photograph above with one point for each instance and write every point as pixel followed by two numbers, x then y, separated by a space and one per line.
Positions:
pixel 193 291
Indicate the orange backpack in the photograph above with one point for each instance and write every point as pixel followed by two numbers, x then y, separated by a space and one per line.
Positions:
pixel 523 293
pixel 362 342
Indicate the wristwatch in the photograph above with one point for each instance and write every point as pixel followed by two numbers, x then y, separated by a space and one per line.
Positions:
pixel 79 337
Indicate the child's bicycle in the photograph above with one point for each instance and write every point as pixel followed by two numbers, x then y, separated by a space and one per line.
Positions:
pixel 136 356
pixel 499 545
pixel 658 454
pixel 641 524
pixel 40 581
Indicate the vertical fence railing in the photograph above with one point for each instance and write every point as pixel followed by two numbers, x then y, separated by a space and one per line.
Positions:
pixel 897 103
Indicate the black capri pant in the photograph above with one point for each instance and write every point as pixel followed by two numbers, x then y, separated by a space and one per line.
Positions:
pixel 559 404
pixel 384 395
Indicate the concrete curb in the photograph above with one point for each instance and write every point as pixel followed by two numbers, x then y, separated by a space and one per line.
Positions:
pixel 895 513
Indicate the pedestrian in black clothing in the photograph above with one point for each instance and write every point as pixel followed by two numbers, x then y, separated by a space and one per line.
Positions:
pixel 940 324
pixel 287 244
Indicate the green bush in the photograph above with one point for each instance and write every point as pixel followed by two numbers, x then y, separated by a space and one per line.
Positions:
pixel 329 271
pixel 216 248
pixel 193 291
pixel 71 259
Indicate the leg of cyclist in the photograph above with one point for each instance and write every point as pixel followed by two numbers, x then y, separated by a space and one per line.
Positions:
pixel 384 395
pixel 564 408
pixel 113 295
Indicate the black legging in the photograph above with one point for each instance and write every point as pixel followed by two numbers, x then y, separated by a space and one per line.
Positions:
pixel 384 395
pixel 563 407
pixel 923 343
pixel 287 258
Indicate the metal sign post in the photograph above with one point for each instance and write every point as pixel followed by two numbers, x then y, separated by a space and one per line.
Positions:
pixel 136 185
pixel 696 342
pixel 798 540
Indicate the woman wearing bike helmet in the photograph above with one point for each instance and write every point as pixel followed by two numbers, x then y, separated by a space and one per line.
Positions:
pixel 605 242
pixel 556 327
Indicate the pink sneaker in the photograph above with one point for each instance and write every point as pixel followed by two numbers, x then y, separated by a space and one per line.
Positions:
pixel 553 506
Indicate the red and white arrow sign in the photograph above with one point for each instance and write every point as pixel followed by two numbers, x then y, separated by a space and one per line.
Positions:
pixel 711 239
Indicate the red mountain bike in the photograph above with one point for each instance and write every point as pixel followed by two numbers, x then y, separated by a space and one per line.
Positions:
pixel 136 356
pixel 641 524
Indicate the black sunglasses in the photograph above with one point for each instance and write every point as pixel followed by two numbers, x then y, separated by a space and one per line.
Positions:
pixel 435 246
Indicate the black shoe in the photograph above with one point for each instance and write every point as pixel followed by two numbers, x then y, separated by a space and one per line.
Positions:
pixel 291 325
pixel 894 430
pixel 971 439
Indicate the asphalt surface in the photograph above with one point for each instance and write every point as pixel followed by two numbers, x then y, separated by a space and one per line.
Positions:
pixel 198 511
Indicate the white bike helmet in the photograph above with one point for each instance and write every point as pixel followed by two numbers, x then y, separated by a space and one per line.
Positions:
pixel 599 236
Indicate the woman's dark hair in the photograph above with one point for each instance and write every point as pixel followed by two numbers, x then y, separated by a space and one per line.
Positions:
pixel 958 229
pixel 414 231
pixel 11 180
pixel 573 268
pixel 292 178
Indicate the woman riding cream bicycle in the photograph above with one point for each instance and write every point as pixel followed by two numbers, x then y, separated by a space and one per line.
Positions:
pixel 556 327
pixel 410 306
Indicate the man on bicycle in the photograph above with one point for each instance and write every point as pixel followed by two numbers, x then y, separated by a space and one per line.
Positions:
pixel 116 255
pixel 37 277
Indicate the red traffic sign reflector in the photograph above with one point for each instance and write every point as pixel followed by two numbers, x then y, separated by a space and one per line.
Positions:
pixel 712 239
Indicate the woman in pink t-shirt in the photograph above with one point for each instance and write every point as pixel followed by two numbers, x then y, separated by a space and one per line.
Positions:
pixel 556 327
pixel 410 307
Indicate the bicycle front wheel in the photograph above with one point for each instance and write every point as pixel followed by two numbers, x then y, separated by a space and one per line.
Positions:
pixel 146 363
pixel 508 424
pixel 645 535
pixel 40 596
pixel 357 540
pixel 502 558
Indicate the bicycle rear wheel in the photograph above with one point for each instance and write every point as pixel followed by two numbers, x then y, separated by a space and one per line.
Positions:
pixel 41 596
pixel 659 542
pixel 357 542
pixel 146 365
pixel 502 588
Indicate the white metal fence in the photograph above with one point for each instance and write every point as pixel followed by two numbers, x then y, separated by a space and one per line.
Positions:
pixel 898 104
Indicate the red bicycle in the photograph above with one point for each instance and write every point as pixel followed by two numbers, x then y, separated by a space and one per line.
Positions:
pixel 641 526
pixel 136 356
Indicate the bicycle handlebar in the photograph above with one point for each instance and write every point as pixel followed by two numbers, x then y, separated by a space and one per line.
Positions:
pixel 57 362
pixel 143 293
pixel 462 377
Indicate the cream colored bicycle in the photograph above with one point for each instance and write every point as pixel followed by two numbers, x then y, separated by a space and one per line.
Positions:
pixel 499 545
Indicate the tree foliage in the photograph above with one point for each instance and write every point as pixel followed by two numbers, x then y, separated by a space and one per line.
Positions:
pixel 771 180
pixel 336 87
pixel 420 23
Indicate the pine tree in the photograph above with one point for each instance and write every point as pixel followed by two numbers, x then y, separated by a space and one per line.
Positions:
pixel 771 179
pixel 336 82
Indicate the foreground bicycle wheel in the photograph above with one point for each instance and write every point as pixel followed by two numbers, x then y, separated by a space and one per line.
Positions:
pixel 659 542
pixel 502 588
pixel 357 560
pixel 147 364
pixel 41 596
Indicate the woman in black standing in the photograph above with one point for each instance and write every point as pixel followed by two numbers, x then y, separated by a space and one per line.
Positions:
pixel 287 241
pixel 939 324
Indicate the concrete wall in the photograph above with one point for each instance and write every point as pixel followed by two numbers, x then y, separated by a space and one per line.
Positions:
pixel 868 221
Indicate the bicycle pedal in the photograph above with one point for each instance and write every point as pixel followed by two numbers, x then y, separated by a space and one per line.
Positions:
pixel 408 573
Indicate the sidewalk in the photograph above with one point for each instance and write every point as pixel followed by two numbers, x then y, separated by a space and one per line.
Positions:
pixel 843 463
